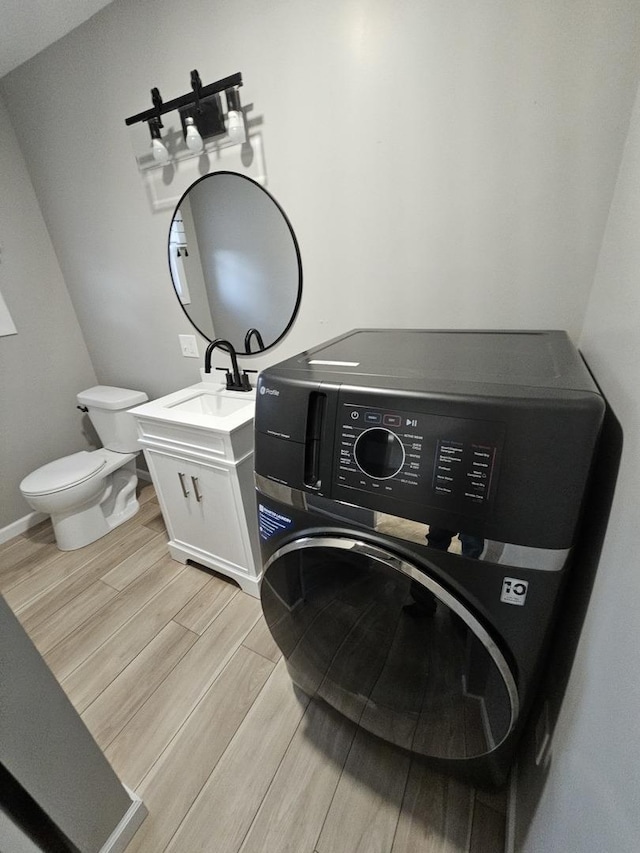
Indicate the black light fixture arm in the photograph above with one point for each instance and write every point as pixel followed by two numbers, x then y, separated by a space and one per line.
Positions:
pixel 196 85
pixel 198 93
pixel 157 103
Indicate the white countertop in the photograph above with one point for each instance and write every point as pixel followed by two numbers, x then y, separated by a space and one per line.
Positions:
pixel 206 405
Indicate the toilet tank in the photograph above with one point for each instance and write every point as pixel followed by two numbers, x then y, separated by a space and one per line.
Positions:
pixel 108 412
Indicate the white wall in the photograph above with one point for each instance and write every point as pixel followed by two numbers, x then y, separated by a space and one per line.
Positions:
pixel 591 797
pixel 46 363
pixel 443 163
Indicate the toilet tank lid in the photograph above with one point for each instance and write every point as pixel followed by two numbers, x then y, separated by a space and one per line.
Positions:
pixel 108 397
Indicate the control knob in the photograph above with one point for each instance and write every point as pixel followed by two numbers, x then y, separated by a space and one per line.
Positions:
pixel 379 453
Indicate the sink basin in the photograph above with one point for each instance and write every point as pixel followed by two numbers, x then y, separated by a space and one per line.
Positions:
pixel 207 403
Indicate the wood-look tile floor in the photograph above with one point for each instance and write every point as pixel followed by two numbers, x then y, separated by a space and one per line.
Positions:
pixel 174 672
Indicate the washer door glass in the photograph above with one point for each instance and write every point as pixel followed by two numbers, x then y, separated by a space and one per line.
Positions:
pixel 389 647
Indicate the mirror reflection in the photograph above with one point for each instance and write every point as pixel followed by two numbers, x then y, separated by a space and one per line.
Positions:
pixel 235 262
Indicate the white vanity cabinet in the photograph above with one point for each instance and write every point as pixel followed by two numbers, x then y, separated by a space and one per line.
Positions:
pixel 201 507
pixel 199 450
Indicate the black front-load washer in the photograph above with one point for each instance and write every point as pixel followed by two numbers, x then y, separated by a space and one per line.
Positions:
pixel 418 500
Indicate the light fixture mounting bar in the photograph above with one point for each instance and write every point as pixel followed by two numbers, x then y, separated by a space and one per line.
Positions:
pixel 188 99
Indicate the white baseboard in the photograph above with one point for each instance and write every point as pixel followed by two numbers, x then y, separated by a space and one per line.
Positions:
pixel 510 835
pixel 143 475
pixel 21 526
pixel 128 826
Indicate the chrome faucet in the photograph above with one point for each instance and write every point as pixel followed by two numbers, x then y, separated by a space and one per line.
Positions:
pixel 235 382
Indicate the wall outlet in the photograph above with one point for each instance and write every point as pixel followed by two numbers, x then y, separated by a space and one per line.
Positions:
pixel 189 346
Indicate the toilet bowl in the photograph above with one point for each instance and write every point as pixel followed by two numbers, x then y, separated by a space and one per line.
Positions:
pixel 89 493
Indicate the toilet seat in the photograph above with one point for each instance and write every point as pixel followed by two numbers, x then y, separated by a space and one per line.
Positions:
pixel 63 473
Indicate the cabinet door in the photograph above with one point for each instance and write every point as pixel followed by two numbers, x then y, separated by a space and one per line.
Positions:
pixel 198 501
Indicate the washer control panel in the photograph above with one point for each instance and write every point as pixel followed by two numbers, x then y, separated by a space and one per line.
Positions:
pixel 419 457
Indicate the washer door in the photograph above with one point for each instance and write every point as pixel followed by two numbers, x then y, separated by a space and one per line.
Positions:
pixel 388 646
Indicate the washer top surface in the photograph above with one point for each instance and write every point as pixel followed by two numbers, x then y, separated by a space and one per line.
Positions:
pixel 533 359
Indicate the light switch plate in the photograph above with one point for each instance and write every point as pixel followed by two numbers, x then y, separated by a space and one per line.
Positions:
pixel 189 346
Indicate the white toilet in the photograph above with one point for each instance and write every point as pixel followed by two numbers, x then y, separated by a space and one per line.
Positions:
pixel 87 494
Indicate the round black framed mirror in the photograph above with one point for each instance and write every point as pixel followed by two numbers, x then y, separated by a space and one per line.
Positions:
pixel 235 262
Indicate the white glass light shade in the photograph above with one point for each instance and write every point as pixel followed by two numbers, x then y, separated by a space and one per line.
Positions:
pixel 235 126
pixel 193 138
pixel 159 150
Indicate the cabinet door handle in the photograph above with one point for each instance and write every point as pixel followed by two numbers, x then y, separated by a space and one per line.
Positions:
pixel 185 490
pixel 194 480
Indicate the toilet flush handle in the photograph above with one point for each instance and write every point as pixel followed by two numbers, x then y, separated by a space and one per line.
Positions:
pixel 82 408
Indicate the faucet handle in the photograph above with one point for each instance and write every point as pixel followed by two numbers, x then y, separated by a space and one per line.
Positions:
pixel 228 376
pixel 246 384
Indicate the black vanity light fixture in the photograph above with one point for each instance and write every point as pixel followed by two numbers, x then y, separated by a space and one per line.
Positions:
pixel 201 115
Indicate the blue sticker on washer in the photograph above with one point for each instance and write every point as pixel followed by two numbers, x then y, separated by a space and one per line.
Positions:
pixel 271 522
